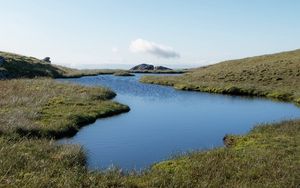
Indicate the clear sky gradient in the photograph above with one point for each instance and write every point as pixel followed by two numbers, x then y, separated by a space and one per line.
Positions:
pixel 178 33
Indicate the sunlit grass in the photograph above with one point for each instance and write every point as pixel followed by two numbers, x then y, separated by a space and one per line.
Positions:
pixel 274 76
pixel 267 157
pixel 43 107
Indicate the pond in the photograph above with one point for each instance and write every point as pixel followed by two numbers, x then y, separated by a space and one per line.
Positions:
pixel 164 122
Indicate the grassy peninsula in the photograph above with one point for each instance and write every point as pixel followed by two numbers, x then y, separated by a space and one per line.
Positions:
pixel 274 76
pixel 45 108
pixel 35 112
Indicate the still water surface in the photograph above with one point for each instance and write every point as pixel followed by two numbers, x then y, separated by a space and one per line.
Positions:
pixel 164 122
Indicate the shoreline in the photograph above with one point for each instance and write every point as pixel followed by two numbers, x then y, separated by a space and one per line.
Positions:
pixel 231 90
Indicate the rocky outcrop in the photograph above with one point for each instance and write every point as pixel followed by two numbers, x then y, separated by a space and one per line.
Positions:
pixel 147 67
pixel 161 68
pixel 229 140
pixel 46 59
pixel 142 67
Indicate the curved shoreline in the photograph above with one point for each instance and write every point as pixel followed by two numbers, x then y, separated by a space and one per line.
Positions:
pixel 259 142
pixel 231 89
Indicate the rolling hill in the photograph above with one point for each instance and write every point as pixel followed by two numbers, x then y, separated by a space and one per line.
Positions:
pixel 19 66
pixel 274 76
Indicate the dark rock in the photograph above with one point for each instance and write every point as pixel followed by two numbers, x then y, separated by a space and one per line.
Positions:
pixel 2 60
pixel 142 67
pixel 161 68
pixel 229 140
pixel 47 59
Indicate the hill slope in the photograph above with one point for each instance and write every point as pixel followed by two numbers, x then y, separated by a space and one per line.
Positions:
pixel 275 76
pixel 18 66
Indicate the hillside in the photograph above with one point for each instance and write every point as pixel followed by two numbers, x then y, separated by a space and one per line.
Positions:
pixel 274 76
pixel 18 66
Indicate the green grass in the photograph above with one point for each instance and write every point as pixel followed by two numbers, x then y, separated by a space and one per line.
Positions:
pixel 18 66
pixel 42 163
pixel 267 157
pixel 274 76
pixel 45 108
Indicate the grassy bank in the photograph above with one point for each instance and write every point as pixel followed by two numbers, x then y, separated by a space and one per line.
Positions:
pixel 274 76
pixel 42 163
pixel 267 157
pixel 45 108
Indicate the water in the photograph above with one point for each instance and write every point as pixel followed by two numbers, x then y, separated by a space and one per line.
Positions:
pixel 163 122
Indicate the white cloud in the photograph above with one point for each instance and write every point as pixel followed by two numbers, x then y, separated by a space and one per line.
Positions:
pixel 115 50
pixel 144 46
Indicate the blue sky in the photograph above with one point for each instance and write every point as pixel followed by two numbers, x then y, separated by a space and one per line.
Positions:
pixel 119 33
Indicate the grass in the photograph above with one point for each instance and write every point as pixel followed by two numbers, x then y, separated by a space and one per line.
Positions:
pixel 123 73
pixel 45 108
pixel 18 66
pixel 274 76
pixel 267 157
pixel 42 163
pixel 34 112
